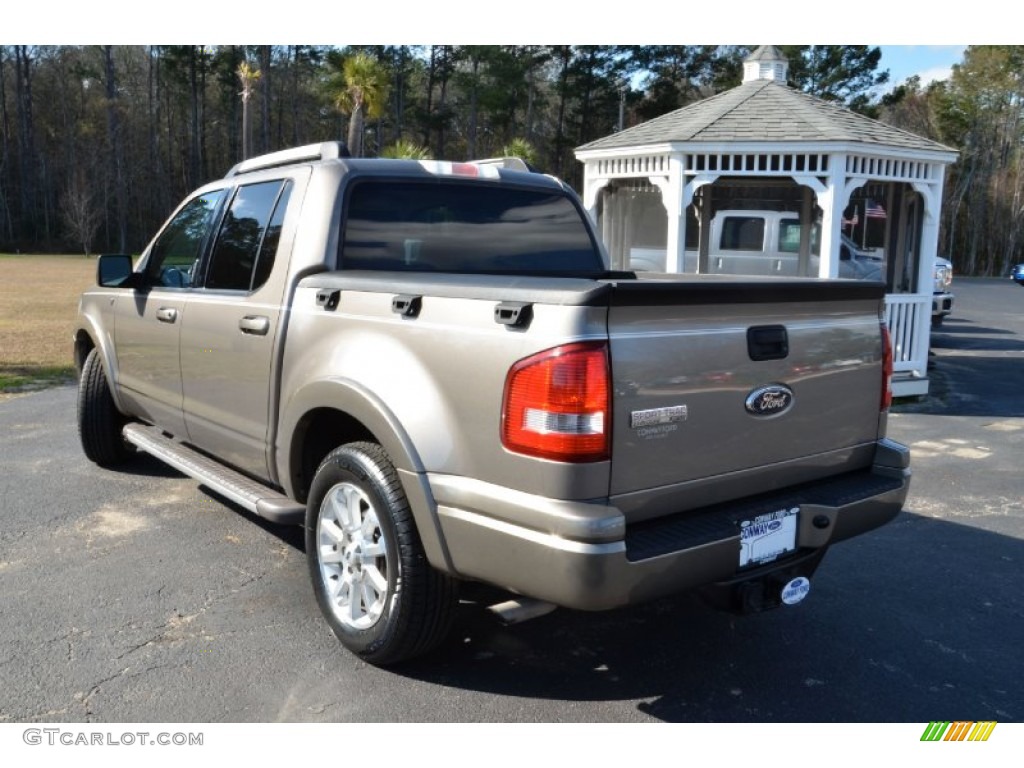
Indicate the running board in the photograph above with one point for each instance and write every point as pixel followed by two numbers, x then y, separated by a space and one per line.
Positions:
pixel 242 490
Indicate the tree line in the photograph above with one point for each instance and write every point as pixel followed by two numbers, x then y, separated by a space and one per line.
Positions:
pixel 98 143
pixel 977 111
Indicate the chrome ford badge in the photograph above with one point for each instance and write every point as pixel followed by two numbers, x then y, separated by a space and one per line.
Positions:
pixel 769 401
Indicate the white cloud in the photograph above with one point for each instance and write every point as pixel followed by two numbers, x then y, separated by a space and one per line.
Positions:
pixel 935 73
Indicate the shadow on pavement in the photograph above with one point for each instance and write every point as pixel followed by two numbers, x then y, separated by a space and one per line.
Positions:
pixel 968 360
pixel 887 634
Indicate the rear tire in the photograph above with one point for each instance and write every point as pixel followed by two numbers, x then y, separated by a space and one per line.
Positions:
pixel 373 583
pixel 99 421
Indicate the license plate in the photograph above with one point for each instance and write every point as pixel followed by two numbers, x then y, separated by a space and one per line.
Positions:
pixel 768 537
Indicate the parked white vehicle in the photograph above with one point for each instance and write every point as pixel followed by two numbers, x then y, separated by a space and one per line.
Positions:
pixel 942 298
pixel 763 243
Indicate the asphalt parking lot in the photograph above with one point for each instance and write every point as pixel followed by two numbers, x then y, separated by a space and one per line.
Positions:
pixel 134 596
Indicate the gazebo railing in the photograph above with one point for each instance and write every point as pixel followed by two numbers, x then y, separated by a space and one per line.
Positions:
pixel 909 318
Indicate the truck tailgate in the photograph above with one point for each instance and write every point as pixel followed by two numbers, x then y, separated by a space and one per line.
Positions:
pixel 737 388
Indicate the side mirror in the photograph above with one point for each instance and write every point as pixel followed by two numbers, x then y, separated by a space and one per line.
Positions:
pixel 114 270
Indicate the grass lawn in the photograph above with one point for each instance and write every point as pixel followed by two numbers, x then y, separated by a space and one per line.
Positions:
pixel 38 305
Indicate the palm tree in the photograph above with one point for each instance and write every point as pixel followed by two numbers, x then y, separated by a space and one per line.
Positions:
pixel 248 77
pixel 404 149
pixel 359 87
pixel 520 148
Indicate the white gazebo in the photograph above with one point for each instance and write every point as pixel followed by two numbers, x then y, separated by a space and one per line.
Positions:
pixel 654 188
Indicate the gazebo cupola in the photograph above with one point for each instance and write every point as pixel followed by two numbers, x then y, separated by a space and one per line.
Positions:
pixel 844 182
pixel 766 63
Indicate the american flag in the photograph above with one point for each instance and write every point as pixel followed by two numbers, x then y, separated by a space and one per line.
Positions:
pixel 873 210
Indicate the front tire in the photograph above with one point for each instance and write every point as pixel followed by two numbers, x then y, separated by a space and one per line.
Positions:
pixel 99 421
pixel 373 583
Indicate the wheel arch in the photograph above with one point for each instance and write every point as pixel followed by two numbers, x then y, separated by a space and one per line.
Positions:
pixel 89 335
pixel 328 413
pixel 83 345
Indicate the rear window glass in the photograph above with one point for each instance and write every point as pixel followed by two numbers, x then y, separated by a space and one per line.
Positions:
pixel 465 228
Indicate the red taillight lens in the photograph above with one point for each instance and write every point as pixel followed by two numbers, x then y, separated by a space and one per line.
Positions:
pixel 886 368
pixel 556 404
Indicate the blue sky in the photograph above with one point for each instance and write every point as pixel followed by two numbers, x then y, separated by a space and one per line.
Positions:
pixel 930 62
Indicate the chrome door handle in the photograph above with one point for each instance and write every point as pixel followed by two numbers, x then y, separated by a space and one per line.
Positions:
pixel 257 325
pixel 167 314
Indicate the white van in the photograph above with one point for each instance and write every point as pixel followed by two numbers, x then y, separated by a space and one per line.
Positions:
pixel 762 243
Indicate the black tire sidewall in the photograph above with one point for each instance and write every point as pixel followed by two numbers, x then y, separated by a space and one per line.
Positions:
pixel 99 421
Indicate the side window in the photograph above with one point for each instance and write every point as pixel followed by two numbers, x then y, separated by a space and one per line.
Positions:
pixel 175 255
pixel 743 233
pixel 247 242
pixel 789 235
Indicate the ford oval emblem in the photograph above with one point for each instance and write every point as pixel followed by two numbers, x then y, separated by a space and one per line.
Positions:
pixel 769 401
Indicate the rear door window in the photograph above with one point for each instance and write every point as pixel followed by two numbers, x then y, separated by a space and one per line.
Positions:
pixel 448 226
pixel 247 242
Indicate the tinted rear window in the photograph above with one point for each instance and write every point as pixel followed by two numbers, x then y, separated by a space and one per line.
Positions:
pixel 743 233
pixel 465 228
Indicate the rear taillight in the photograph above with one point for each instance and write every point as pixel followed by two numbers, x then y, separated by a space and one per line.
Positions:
pixel 556 404
pixel 886 368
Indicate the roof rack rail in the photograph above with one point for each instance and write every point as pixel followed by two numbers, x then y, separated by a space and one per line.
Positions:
pixel 327 150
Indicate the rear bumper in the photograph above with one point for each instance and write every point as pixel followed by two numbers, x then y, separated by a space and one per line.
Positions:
pixel 583 555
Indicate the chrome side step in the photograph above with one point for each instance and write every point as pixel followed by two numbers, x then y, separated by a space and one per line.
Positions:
pixel 242 490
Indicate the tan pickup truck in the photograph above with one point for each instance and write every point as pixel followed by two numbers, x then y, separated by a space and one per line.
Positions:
pixel 430 366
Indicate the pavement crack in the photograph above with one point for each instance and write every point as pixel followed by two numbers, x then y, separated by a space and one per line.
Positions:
pixel 96 688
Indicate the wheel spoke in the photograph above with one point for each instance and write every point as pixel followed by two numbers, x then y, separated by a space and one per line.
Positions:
pixel 335 509
pixel 353 607
pixel 333 532
pixel 331 556
pixel 370 524
pixel 354 509
pixel 371 599
pixel 375 549
pixel 336 585
pixel 372 575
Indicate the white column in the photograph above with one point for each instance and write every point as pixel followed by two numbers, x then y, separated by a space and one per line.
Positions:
pixel 671 188
pixel 824 194
pixel 832 204
pixel 931 194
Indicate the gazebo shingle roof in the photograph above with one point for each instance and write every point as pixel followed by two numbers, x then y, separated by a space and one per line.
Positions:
pixel 764 111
